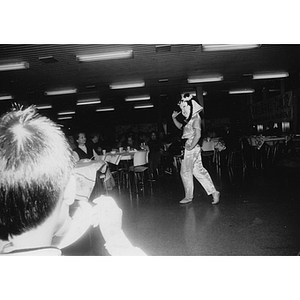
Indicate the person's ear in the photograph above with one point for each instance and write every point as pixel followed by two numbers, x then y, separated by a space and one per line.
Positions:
pixel 70 191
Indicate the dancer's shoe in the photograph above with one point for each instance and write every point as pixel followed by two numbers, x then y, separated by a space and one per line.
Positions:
pixel 185 200
pixel 216 197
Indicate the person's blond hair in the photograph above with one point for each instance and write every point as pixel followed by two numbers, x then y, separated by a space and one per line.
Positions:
pixel 35 165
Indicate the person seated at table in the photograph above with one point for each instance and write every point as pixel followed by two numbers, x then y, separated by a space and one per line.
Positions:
pixel 132 143
pixel 37 187
pixel 83 151
pixel 94 142
pixel 71 141
pixel 173 150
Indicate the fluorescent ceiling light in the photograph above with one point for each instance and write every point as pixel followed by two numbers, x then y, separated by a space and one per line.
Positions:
pixel 241 91
pixel 44 106
pixel 69 112
pixel 163 80
pixel 105 109
pixel 143 106
pixel 205 79
pixel 64 118
pixel 61 92
pixel 269 75
pixel 14 66
pixel 137 98
pixel 88 101
pixel 127 85
pixel 105 56
pixel 163 48
pixel 222 47
pixel 6 97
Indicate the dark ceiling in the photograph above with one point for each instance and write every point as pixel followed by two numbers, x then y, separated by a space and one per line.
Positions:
pixel 150 64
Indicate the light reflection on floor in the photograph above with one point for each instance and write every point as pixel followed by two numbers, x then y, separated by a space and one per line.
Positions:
pixel 258 215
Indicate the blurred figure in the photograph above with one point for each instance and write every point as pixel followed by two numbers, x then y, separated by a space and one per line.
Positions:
pixel 155 150
pixel 71 141
pixel 94 143
pixel 37 187
pixel 132 143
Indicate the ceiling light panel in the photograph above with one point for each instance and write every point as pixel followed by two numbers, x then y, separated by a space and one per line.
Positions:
pixel 241 91
pixel 105 109
pixel 48 59
pixel 69 112
pixel 65 118
pixel 105 56
pixel 14 66
pixel 225 47
pixel 269 75
pixel 43 106
pixel 202 79
pixel 61 92
pixel 6 97
pixel 162 48
pixel 143 106
pixel 127 85
pixel 138 98
pixel 88 101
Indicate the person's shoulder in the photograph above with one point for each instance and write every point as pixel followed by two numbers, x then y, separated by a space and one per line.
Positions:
pixel 196 120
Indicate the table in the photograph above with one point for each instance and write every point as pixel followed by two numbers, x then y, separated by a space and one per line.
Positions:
pixel 212 145
pixel 115 158
pixel 259 140
pixel 267 153
pixel 88 181
pixel 120 172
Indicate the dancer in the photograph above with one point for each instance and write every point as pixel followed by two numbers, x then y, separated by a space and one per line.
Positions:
pixel 192 162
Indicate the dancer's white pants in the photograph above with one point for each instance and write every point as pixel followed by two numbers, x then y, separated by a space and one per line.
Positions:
pixel 192 165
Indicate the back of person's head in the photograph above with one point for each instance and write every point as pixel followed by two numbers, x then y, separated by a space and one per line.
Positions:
pixel 94 135
pixel 35 166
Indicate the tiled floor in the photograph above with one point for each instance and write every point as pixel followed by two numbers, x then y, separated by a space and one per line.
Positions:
pixel 258 215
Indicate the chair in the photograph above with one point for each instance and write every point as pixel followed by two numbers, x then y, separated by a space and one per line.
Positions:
pixel 208 150
pixel 115 171
pixel 139 168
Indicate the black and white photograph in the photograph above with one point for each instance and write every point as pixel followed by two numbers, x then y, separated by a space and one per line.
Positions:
pixel 177 155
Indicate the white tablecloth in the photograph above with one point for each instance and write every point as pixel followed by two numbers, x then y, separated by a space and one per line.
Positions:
pixel 212 145
pixel 258 140
pixel 117 157
pixel 85 174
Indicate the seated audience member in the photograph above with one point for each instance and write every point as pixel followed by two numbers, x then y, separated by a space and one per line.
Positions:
pixel 71 141
pixel 94 143
pixel 130 142
pixel 174 149
pixel 83 151
pixel 37 187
